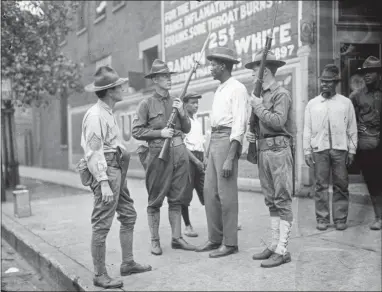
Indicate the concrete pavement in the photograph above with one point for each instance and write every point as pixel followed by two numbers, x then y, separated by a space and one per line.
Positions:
pixel 57 236
pixel 358 191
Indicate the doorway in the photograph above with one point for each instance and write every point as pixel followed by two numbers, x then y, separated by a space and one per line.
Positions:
pixel 352 57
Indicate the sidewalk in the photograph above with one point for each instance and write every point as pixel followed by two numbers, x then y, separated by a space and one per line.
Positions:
pixel 57 239
pixel 358 191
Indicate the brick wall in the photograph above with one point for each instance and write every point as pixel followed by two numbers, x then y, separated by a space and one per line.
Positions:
pixel 118 35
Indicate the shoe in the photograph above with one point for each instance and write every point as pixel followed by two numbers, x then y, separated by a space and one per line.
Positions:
pixel 190 232
pixel 223 251
pixel 322 226
pixel 106 282
pixel 264 255
pixel 181 244
pixel 155 247
pixel 341 225
pixel 377 224
pixel 208 246
pixel 133 268
pixel 276 260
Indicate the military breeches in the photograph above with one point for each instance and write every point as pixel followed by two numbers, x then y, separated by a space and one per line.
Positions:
pixel 275 173
pixel 167 179
pixel 103 214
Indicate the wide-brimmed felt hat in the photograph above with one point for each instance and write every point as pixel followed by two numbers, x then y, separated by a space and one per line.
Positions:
pixel 270 60
pixel 371 64
pixel 190 95
pixel 330 73
pixel 105 77
pixel 223 53
pixel 158 67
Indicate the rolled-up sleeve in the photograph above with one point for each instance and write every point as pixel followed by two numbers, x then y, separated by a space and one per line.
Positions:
pixel 94 128
pixel 140 129
pixel 239 113
pixel 185 124
pixel 277 118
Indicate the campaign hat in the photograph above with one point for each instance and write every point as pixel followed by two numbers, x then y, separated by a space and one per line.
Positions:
pixel 371 64
pixel 104 78
pixel 270 60
pixel 158 67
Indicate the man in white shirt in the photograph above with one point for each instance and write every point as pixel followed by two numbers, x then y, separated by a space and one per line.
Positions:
pixel 330 143
pixel 228 125
pixel 194 141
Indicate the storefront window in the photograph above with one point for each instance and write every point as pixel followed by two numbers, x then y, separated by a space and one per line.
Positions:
pixel 359 11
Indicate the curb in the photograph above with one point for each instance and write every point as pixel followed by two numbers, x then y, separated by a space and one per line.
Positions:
pixel 61 271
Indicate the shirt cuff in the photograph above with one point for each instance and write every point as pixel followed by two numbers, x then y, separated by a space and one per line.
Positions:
pixel 352 151
pixel 237 138
pixel 101 176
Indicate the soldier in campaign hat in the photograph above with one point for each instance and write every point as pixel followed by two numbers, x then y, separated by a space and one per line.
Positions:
pixel 228 124
pixel 106 162
pixel 368 107
pixel 275 162
pixel 163 179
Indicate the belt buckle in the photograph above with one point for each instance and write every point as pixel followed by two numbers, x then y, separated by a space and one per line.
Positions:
pixel 270 142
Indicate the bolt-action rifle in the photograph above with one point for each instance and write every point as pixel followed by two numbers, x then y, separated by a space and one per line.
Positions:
pixel 252 155
pixel 171 121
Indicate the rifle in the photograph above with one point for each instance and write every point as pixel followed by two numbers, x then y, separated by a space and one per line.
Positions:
pixel 171 121
pixel 252 155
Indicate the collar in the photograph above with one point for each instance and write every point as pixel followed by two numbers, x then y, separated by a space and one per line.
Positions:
pixel 272 87
pixel 157 95
pixel 377 87
pixel 222 85
pixel 323 99
pixel 105 106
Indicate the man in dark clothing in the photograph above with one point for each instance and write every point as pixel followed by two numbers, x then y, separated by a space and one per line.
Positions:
pixel 275 164
pixel 368 108
pixel 163 179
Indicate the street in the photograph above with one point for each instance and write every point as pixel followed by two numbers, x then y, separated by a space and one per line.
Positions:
pixel 17 274
pixel 329 260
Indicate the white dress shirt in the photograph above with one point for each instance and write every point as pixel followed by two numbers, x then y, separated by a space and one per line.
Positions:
pixel 335 116
pixel 230 108
pixel 194 140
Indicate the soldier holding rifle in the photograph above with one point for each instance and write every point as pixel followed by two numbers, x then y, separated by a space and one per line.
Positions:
pixel 228 121
pixel 275 161
pixel 163 179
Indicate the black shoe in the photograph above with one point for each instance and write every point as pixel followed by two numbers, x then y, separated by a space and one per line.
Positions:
pixel 264 255
pixel 322 226
pixel 208 246
pixel 341 225
pixel 181 244
pixel 276 260
pixel 106 282
pixel 223 251
pixel 133 268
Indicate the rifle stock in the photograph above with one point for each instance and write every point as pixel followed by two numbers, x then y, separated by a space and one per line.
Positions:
pixel 164 154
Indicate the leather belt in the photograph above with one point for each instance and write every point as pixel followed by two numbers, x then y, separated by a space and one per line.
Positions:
pixel 220 128
pixel 274 143
pixel 175 141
